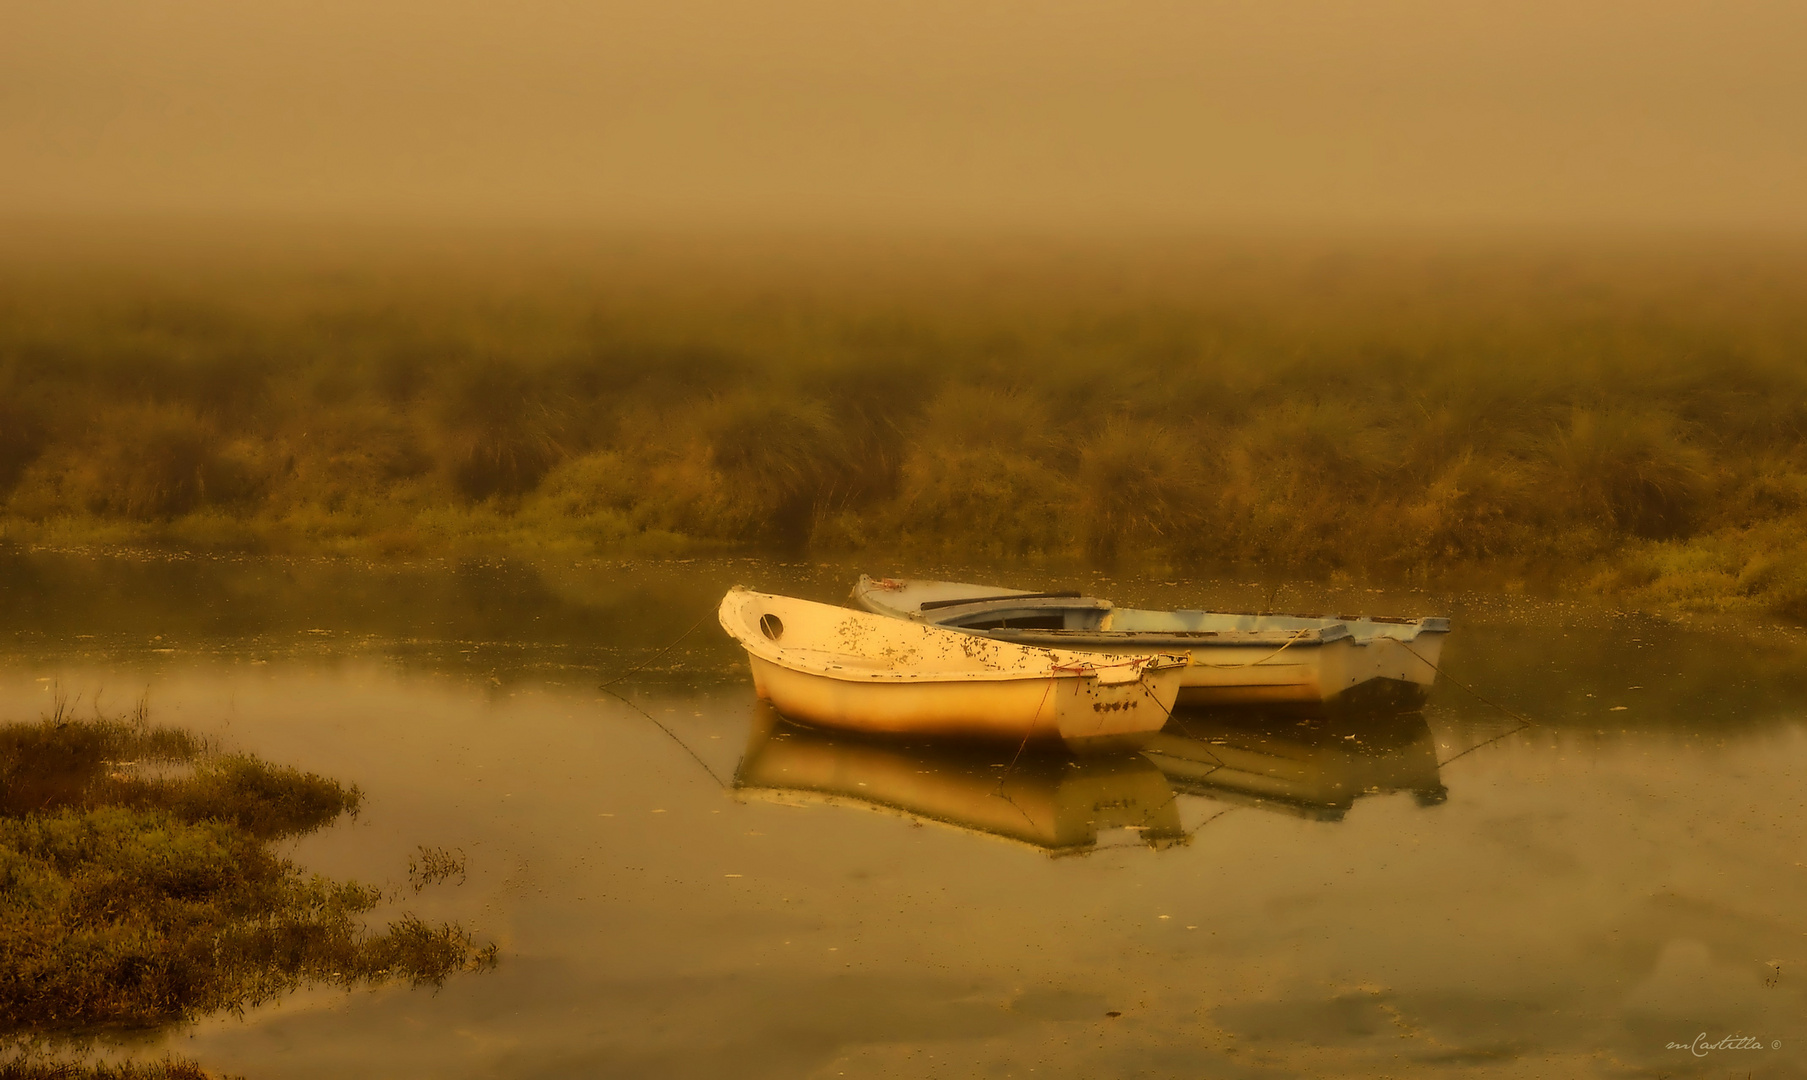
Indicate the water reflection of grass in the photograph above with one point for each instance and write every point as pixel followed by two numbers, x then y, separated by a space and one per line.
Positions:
pixel 1631 420
pixel 138 889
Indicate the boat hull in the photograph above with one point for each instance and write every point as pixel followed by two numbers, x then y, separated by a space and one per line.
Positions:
pixel 1265 675
pixel 1309 662
pixel 1346 671
pixel 1082 713
pixel 855 671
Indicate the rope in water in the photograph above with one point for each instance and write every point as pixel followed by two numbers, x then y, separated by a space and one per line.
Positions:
pixel 606 688
pixel 1027 731
pixel 1523 720
pixel 674 644
pixel 1184 730
pixel 1173 796
pixel 674 735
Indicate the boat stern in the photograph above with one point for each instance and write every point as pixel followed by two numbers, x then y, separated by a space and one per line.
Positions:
pixel 1116 706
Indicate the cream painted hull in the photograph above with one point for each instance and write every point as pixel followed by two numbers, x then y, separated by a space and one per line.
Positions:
pixel 855 671
pixel 1314 674
pixel 1077 711
pixel 1249 659
pixel 1319 674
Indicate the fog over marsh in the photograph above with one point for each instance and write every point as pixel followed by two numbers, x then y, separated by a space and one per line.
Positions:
pixel 799 113
pixel 1622 417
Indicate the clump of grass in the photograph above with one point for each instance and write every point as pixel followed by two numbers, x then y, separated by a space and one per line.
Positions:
pixel 132 900
pixel 780 463
pixel 983 469
pixel 433 865
pixel 27 1066
pixel 1633 473
pixel 503 434
pixel 263 800
pixel 23 437
pixel 146 463
pixel 1757 569
pixel 65 762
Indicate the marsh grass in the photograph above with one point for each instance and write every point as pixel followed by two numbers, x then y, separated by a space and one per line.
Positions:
pixel 434 865
pixel 1628 417
pixel 138 888
pixel 166 1068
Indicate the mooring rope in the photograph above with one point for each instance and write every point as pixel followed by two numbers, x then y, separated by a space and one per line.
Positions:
pixel 1523 720
pixel 606 688
pixel 674 644
pixel 1290 642
pixel 719 782
pixel 1027 731
pixel 1184 730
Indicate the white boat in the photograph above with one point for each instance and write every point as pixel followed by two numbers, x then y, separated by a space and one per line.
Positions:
pixel 840 668
pixel 1237 659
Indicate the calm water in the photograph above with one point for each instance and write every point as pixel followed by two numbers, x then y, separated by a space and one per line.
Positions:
pixel 681 888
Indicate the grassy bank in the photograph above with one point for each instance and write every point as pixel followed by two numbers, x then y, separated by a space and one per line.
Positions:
pixel 1626 418
pixel 139 889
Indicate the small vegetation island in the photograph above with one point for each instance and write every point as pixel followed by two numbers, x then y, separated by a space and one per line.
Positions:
pixel 1623 418
pixel 138 890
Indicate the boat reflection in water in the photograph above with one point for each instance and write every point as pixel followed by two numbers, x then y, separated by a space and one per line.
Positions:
pixel 1059 804
pixel 1313 768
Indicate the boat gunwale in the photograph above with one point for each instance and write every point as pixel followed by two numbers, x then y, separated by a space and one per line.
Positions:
pixel 937 605
pixel 867 588
pixel 1054 663
pixel 1184 639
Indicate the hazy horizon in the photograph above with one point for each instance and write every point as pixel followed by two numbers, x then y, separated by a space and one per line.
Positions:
pixel 1070 117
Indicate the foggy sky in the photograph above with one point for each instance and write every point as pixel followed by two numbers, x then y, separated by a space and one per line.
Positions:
pixel 967 112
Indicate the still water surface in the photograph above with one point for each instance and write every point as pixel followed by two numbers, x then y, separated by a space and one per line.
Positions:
pixel 683 887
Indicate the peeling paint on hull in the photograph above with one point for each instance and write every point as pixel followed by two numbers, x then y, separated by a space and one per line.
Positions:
pixel 838 668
